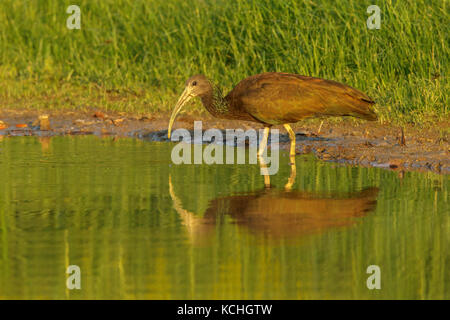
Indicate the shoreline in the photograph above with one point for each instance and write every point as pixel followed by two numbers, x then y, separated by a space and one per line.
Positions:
pixel 367 144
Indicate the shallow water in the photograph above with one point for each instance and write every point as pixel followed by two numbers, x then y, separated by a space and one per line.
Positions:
pixel 141 227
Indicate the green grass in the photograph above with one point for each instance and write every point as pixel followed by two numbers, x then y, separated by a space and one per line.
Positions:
pixel 134 55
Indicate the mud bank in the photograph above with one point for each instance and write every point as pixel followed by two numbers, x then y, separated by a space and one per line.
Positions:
pixel 348 142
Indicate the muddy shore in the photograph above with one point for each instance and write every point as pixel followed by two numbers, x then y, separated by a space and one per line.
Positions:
pixel 355 143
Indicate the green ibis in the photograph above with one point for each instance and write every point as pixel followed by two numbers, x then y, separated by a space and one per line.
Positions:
pixel 277 213
pixel 276 98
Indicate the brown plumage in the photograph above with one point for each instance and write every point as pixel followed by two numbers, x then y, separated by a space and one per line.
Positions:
pixel 278 98
pixel 280 214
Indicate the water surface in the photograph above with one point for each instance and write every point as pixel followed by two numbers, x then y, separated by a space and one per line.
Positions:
pixel 140 227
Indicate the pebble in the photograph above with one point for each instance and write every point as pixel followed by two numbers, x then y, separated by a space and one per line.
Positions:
pixel 3 125
pixel 44 123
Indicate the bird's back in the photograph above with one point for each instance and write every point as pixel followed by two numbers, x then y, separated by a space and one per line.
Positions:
pixel 276 98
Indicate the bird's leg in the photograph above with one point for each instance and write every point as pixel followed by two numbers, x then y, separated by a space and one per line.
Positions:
pixel 291 180
pixel 292 138
pixel 293 175
pixel 263 142
pixel 265 172
pixel 320 127
pixel 262 162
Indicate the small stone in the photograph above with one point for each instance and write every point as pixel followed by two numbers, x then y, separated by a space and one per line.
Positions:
pixel 81 122
pixel 105 131
pixel 44 123
pixel 118 122
pixel 146 118
pixel 99 115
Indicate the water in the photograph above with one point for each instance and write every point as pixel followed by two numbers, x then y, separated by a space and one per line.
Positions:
pixel 139 227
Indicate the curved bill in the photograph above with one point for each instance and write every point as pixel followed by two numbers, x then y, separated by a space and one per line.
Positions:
pixel 185 97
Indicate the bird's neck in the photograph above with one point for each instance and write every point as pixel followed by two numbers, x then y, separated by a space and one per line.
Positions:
pixel 215 103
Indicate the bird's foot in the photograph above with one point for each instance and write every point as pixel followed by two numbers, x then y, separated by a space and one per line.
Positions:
pixel 267 182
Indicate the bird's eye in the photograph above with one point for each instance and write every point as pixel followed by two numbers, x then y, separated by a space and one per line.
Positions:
pixel 194 83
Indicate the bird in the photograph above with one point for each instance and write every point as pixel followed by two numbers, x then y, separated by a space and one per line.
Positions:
pixel 279 214
pixel 277 98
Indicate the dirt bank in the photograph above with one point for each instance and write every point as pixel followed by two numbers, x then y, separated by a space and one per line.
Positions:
pixel 357 143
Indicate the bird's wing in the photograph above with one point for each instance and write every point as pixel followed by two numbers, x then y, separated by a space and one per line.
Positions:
pixel 276 98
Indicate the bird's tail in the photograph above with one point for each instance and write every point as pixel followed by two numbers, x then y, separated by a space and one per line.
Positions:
pixel 369 115
pixel 367 112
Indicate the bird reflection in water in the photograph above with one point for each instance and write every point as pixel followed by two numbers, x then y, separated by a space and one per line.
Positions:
pixel 45 143
pixel 279 214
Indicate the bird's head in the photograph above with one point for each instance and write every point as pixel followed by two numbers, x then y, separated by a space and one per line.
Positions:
pixel 196 86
